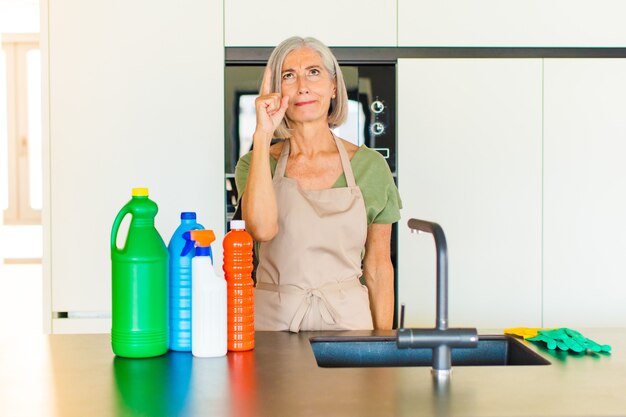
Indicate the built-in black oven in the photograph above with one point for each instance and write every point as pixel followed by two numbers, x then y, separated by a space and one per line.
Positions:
pixel 372 113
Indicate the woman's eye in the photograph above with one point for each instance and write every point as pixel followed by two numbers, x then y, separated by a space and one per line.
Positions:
pixel 287 76
pixel 314 72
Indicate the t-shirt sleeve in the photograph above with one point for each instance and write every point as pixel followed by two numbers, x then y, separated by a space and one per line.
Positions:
pixel 382 199
pixel 241 174
pixel 390 212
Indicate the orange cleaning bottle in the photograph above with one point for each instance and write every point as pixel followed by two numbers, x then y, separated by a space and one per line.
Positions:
pixel 240 287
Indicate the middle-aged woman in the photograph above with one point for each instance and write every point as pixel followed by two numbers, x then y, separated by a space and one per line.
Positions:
pixel 320 207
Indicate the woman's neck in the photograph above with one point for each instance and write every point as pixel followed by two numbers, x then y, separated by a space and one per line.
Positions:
pixel 311 139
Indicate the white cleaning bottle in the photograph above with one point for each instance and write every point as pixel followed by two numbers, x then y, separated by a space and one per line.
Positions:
pixel 208 300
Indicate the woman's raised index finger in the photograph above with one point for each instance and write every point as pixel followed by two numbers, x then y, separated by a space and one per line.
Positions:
pixel 266 84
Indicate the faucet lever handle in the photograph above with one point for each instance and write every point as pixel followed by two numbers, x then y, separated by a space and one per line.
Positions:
pixel 402 316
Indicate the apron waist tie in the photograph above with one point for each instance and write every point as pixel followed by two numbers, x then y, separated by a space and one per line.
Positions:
pixel 328 313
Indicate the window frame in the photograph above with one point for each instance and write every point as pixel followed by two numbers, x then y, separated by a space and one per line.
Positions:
pixel 19 210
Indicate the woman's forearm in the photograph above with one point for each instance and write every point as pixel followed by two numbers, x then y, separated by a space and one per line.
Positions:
pixel 379 282
pixel 259 200
pixel 378 273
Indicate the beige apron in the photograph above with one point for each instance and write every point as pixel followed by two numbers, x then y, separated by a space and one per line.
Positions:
pixel 308 275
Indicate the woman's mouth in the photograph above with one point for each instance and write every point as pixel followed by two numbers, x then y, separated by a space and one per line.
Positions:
pixel 304 103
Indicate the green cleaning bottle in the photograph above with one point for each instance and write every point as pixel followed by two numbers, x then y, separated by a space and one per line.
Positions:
pixel 139 283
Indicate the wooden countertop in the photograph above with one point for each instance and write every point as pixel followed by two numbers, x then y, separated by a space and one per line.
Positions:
pixel 78 375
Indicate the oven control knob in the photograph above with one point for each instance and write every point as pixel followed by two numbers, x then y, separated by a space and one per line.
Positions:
pixel 377 106
pixel 377 128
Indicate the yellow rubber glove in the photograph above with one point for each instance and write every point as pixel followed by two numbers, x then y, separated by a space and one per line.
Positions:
pixel 525 332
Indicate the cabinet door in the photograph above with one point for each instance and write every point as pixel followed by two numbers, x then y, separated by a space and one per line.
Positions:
pixel 128 108
pixel 585 192
pixel 336 23
pixel 470 159
pixel 528 23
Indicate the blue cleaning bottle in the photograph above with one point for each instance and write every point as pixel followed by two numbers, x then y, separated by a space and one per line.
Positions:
pixel 180 284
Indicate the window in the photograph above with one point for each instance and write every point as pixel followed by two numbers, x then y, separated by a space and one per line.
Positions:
pixel 20 121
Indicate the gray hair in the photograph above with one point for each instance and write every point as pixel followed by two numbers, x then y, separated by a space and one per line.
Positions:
pixel 338 111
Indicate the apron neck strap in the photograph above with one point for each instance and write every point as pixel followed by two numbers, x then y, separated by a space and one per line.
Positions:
pixel 345 162
pixel 281 165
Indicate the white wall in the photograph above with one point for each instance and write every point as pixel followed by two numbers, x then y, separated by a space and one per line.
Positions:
pixel 528 23
pixel 585 192
pixel 337 23
pixel 470 159
pixel 134 100
pixel 521 162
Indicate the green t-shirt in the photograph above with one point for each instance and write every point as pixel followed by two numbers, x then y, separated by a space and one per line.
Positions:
pixel 372 175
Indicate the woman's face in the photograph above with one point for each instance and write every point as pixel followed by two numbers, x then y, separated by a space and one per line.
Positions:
pixel 308 84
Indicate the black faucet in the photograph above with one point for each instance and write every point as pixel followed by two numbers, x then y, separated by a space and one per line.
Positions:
pixel 440 339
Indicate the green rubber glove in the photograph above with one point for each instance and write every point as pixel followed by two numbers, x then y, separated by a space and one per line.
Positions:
pixel 568 339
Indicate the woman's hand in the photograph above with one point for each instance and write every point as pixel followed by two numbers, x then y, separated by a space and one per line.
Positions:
pixel 270 108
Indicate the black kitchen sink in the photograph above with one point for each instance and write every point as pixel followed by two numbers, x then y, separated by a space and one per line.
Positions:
pixel 381 351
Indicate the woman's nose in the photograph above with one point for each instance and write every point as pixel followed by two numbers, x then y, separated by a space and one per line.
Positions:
pixel 302 86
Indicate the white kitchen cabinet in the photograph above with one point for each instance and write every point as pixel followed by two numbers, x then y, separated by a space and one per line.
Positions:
pixel 585 192
pixel 336 23
pixel 135 93
pixel 497 23
pixel 469 146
